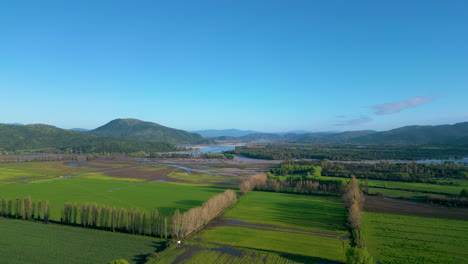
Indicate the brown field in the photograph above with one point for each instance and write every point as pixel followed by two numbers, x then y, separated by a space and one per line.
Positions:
pixel 385 205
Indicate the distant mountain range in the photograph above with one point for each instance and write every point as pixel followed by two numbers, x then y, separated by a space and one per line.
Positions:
pixel 240 133
pixel 131 135
pixel 456 134
pixel 224 132
pixel 79 129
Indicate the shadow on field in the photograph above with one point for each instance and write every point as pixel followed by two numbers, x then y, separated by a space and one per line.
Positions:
pixel 328 216
pixel 189 203
pixel 300 258
pixel 158 246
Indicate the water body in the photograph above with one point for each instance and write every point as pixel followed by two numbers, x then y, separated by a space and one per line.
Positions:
pixel 216 149
pixel 75 165
pixel 462 160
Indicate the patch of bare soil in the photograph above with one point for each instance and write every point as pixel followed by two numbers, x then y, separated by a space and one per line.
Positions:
pixel 107 164
pixel 384 205
pixel 141 173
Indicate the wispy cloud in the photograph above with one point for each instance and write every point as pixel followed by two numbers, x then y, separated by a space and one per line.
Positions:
pixel 340 116
pixel 355 121
pixel 395 107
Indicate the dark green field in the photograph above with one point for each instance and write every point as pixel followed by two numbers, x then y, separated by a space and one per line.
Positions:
pixel 25 242
pixel 402 239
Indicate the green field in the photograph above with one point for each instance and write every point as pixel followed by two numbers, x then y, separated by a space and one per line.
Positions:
pixel 206 253
pixel 28 171
pixel 299 227
pixel 395 239
pixel 24 242
pixel 166 197
pixel 413 190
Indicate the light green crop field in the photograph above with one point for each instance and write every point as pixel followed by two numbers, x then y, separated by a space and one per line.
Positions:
pixel 396 239
pixel 24 242
pixel 303 228
pixel 27 171
pixel 413 186
pixel 166 197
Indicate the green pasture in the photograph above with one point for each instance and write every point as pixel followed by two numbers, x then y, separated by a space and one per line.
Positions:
pixel 304 228
pixel 396 239
pixel 166 197
pixel 399 194
pixel 207 253
pixel 426 188
pixel 25 242
pixel 26 171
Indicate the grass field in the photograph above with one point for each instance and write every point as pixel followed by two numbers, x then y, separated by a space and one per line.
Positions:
pixel 24 242
pixel 27 171
pixel 166 197
pixel 299 227
pixel 205 253
pixel 413 190
pixel 395 239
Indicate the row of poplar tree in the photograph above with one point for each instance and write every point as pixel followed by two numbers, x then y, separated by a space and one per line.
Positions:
pixel 26 209
pixel 133 221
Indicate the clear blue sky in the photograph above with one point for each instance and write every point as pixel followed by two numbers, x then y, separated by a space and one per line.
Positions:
pixel 261 65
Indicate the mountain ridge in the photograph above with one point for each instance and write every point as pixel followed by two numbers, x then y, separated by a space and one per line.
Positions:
pixel 136 129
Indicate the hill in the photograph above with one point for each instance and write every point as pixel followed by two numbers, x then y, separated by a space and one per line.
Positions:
pixel 40 137
pixel 456 134
pixel 147 131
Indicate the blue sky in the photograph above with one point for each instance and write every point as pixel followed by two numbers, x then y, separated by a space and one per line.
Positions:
pixel 260 65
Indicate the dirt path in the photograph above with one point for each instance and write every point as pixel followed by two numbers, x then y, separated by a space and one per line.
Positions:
pixel 385 205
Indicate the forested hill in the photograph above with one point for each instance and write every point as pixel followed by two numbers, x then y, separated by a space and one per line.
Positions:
pixel 50 138
pixel 456 134
pixel 147 131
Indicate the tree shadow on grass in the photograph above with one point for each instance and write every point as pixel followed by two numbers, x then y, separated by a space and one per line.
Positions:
pixel 298 258
pixel 189 203
pixel 157 245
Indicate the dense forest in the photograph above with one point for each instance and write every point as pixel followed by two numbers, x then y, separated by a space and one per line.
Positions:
pixel 406 172
pixel 349 152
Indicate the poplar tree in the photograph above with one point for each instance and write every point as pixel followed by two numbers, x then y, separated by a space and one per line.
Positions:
pixel 33 210
pixel 39 209
pixel 143 223
pixel 46 211
pixel 101 216
pixel 9 207
pixel 165 227
pixel 27 208
pixel 130 221
pixel 75 213
pixel 23 210
pixel 4 208
pixel 17 207
pixel 136 221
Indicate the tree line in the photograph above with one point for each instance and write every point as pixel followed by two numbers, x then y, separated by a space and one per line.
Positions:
pixel 406 172
pixel 349 152
pixel 261 182
pixel 354 199
pixel 25 209
pixel 133 221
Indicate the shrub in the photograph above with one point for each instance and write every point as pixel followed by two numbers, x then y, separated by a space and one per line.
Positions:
pixel 357 255
pixel 119 261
